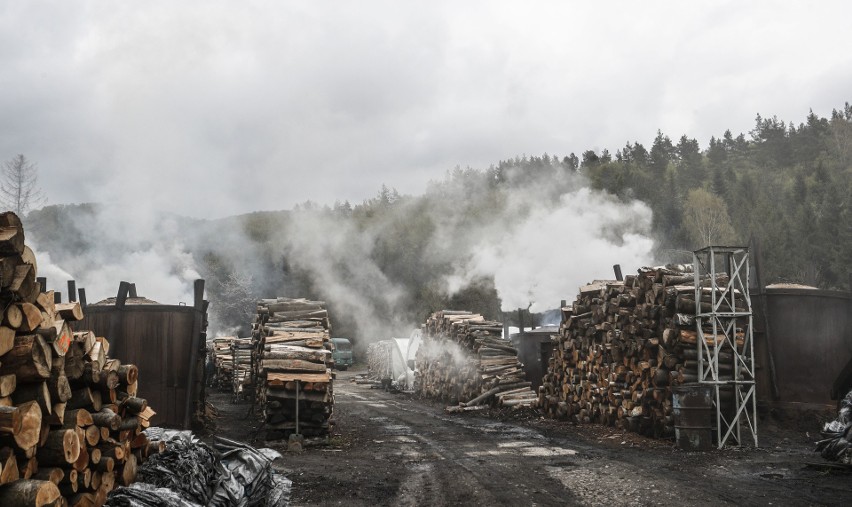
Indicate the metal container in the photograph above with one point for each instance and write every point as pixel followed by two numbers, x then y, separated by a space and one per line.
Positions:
pixel 811 341
pixel 166 343
pixel 692 406
pixel 534 350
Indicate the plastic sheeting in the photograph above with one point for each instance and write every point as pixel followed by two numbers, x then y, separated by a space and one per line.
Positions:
pixel 190 473
pixel 837 444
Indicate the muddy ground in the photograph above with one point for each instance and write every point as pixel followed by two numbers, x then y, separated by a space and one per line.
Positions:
pixel 396 449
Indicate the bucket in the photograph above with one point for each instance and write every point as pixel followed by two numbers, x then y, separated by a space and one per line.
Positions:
pixel 692 406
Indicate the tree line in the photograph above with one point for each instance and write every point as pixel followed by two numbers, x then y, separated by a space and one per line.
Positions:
pixel 783 186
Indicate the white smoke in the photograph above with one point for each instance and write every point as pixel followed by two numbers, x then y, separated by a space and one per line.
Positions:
pixel 123 244
pixel 554 248
pixel 338 256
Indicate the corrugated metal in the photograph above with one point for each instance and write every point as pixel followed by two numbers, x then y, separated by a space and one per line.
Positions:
pixel 811 334
pixel 158 340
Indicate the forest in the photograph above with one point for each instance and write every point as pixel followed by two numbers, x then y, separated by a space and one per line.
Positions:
pixel 388 262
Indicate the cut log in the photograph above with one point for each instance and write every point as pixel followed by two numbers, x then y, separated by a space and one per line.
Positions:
pixel 45 301
pixel 8 466
pixel 288 365
pixel 31 317
pixel 61 448
pixel 57 415
pixel 30 359
pixel 34 392
pixel 83 459
pixel 58 333
pixel 128 471
pixel 93 435
pixel 70 311
pixel 127 374
pixel 52 474
pixel 74 363
pixel 10 420
pixel 81 398
pixel 134 405
pixel 28 437
pixel 11 234
pixel 83 500
pixel 8 383
pixel 106 418
pixel 29 493
pixel 13 317
pixel 7 338
pixel 60 390
pixel 24 285
pixel 79 417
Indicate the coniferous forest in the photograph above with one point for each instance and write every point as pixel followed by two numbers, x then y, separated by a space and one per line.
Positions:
pixel 785 186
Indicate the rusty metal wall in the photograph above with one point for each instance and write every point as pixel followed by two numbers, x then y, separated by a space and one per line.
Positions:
pixel 158 340
pixel 811 341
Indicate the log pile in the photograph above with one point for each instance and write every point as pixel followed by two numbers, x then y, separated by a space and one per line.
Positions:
pixel 380 361
pixel 70 422
pixel 465 360
pixel 231 359
pixel 621 348
pixel 292 367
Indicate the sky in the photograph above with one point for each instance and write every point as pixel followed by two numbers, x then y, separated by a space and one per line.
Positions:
pixel 210 108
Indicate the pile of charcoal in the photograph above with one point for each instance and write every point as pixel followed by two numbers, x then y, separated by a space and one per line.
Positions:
pixel 191 473
pixel 837 435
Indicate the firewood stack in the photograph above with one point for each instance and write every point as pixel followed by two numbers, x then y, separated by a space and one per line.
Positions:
pixel 292 365
pixel 232 361
pixel 379 360
pixel 70 421
pixel 621 348
pixel 465 360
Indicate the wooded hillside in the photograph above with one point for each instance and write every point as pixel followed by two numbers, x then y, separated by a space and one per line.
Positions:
pixel 787 185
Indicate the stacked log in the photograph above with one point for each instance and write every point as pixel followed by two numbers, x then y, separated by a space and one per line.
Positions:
pixel 231 359
pixel 465 360
pixel 380 360
pixel 623 346
pixel 292 367
pixel 70 424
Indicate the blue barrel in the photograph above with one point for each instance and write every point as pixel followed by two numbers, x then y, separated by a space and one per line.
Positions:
pixel 692 407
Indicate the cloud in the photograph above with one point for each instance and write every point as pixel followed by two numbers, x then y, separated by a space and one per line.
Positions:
pixel 210 109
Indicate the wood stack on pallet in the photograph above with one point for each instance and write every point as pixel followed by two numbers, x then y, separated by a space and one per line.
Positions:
pixel 621 348
pixel 70 424
pixel 465 360
pixel 380 360
pixel 231 358
pixel 292 361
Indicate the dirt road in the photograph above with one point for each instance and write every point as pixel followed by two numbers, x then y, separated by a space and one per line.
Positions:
pixel 393 449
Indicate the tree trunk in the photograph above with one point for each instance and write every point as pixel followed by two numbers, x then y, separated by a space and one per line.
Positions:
pixel 29 493
pixel 61 448
pixel 30 359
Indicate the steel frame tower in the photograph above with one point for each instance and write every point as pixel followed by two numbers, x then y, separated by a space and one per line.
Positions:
pixel 726 346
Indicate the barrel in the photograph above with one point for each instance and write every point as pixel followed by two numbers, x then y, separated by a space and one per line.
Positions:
pixel 692 406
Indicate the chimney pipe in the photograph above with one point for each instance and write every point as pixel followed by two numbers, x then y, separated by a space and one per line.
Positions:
pixel 132 290
pixel 82 293
pixel 121 297
pixel 72 291
pixel 617 269
pixel 521 321
pixel 57 297
pixel 42 281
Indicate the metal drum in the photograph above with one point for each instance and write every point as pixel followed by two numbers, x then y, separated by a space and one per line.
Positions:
pixel 692 405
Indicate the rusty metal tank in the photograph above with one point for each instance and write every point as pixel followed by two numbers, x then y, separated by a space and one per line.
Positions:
pixel 809 335
pixel 166 343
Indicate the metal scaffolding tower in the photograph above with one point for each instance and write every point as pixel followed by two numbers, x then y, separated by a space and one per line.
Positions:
pixel 725 345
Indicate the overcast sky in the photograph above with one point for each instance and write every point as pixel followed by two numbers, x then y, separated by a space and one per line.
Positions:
pixel 215 108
